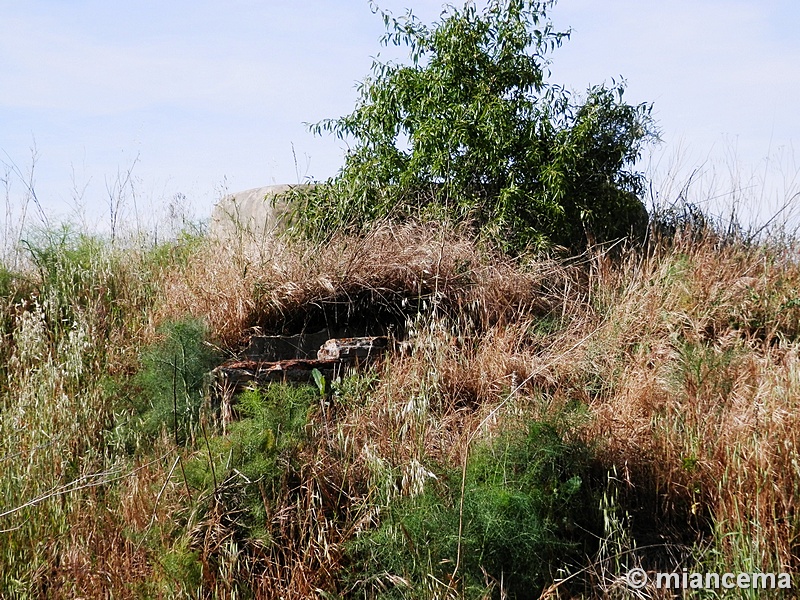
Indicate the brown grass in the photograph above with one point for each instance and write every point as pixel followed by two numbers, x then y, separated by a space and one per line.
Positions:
pixel 685 357
pixel 699 358
pixel 268 285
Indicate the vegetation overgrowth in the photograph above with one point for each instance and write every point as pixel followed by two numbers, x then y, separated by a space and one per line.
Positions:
pixel 549 424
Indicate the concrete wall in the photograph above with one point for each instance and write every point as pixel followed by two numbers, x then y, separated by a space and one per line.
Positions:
pixel 250 214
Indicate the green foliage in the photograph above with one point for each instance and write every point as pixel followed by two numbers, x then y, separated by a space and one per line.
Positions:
pixel 182 565
pixel 6 282
pixel 472 130
pixel 178 251
pixel 271 426
pixel 76 273
pixel 703 371
pixel 353 389
pixel 249 471
pixel 525 514
pixel 319 381
pixel 172 379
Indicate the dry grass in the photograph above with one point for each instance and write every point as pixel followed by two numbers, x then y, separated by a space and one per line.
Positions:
pixel 685 359
pixel 392 271
pixel 703 390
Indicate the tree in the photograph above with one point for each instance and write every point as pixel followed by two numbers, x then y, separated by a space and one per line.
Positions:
pixel 472 130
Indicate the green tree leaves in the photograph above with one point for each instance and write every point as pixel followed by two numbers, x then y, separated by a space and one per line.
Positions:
pixel 473 129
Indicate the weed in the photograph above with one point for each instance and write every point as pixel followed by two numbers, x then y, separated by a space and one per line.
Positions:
pixel 246 478
pixel 173 378
pixel 464 464
pixel 524 518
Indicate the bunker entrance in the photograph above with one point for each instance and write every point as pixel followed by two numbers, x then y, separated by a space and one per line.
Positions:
pixel 327 335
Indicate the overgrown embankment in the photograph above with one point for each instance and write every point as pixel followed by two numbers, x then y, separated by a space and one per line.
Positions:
pixel 546 420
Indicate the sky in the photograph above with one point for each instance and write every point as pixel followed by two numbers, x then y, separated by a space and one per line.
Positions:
pixel 180 102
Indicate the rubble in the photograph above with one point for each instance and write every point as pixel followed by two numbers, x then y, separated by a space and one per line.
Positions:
pixel 351 349
pixel 270 359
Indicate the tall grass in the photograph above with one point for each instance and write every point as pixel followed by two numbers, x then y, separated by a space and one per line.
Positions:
pixel 705 335
pixel 664 382
pixel 63 316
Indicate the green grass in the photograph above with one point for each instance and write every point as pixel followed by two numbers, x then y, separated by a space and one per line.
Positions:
pixel 173 379
pixel 543 420
pixel 527 513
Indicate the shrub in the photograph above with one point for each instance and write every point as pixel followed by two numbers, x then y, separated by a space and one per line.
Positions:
pixel 472 130
pixel 526 513
pixel 271 426
pixel 172 378
pixel 251 478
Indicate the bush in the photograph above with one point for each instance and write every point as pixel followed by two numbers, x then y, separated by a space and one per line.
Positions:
pixel 270 429
pixel 251 478
pixel 172 379
pixel 471 130
pixel 526 513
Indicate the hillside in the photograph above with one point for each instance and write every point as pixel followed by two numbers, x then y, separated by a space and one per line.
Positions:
pixel 547 424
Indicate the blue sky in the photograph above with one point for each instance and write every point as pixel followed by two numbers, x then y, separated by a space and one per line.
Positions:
pixel 203 96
